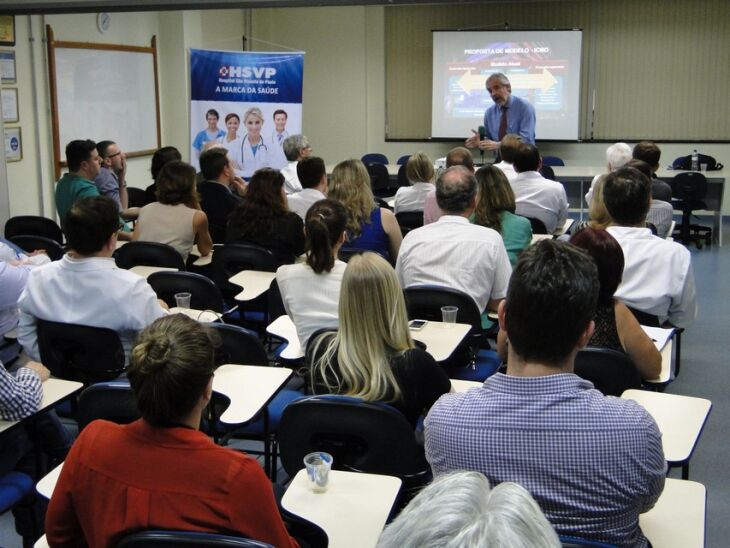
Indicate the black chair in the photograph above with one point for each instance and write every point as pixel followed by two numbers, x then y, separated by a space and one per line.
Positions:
pixel 148 254
pixel 374 158
pixel 610 371
pixel 538 227
pixel 424 303
pixel 688 192
pixel 112 401
pixel 402 178
pixel 548 173
pixel 80 352
pixel 572 542
pixel 361 436
pixel 30 243
pixel 239 345
pixel 409 219
pixel 231 259
pixel 204 294
pixel 552 161
pixel 137 197
pixel 176 539
pixel 379 179
pixel 35 226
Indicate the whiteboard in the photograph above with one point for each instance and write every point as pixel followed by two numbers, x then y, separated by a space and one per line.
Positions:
pixel 105 94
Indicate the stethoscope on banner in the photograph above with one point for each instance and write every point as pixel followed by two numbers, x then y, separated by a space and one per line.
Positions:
pixel 261 144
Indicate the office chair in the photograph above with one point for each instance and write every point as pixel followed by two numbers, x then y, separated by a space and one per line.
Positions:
pixel 547 172
pixel 204 294
pixel 80 352
pixel 136 196
pixel 610 371
pixel 30 243
pixel 409 220
pixel 403 160
pixel 148 254
pixel 33 225
pixel 177 539
pixel 379 179
pixel 112 401
pixel 688 192
pixel 552 161
pixel 538 227
pixel 374 158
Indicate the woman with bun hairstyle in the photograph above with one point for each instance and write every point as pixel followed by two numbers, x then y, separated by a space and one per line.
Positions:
pixel 311 290
pixel 160 472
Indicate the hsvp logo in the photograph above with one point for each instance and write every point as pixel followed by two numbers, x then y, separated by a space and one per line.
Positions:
pixel 232 71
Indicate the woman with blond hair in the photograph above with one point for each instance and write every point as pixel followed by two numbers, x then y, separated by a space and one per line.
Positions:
pixel 175 218
pixel 420 174
pixel 254 153
pixel 369 227
pixel 496 209
pixel 373 356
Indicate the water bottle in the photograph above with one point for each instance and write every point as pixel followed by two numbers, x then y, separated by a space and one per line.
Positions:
pixel 695 161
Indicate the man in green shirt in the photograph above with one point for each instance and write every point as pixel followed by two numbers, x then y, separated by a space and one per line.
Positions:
pixel 83 163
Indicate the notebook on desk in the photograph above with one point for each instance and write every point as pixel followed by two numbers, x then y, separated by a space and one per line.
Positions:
pixel 658 335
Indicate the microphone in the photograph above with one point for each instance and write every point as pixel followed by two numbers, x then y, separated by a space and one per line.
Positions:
pixel 482 136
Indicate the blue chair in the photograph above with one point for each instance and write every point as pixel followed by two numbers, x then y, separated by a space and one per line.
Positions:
pixel 573 542
pixel 375 158
pixel 403 159
pixel 112 401
pixel 552 161
pixel 154 539
pixel 611 372
pixel 14 487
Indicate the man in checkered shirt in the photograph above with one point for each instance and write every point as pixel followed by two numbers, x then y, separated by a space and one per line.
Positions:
pixel 593 463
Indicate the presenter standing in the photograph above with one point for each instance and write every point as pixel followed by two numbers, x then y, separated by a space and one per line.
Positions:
pixel 508 114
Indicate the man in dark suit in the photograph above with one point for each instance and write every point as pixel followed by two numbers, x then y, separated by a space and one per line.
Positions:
pixel 220 191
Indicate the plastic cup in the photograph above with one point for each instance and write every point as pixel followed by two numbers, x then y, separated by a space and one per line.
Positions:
pixel 448 315
pixel 182 300
pixel 318 470
pixel 703 167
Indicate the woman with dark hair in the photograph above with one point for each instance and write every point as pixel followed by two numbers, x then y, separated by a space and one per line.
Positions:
pixel 232 142
pixel 372 356
pixel 159 159
pixel 496 209
pixel 263 218
pixel 616 327
pixel 311 290
pixel 175 218
pixel 160 472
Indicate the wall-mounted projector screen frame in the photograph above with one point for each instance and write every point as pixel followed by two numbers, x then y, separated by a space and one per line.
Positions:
pixel 103 91
pixel 543 67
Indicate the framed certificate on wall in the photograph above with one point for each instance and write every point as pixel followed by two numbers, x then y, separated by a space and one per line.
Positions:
pixel 7 66
pixel 13 144
pixel 9 101
pixel 7 30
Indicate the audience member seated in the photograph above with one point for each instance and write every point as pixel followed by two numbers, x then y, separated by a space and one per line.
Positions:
pixel 369 227
pixel 84 164
pixel 85 287
pixel 160 472
pixel 313 179
pixel 175 218
pixel 593 463
pixel 537 197
pixel 111 180
pixel 220 192
pixel 617 156
pixel 658 277
pixel 661 213
pixel 373 356
pixel 508 147
pixel 650 153
pixel 598 216
pixel 159 159
pixel 311 290
pixel 459 156
pixel 495 209
pixel 616 327
pixel 458 509
pixel 262 218
pixel 419 172
pixel 296 148
pixel 454 253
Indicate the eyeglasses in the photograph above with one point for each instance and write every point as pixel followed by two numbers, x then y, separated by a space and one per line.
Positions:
pixel 116 154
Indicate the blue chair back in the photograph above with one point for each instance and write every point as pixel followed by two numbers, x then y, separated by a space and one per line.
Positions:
pixel 374 158
pixel 177 539
pixel 552 161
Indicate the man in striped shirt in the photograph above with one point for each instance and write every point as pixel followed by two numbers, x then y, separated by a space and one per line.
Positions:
pixel 592 463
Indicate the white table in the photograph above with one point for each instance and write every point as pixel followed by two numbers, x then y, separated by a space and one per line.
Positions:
pixel 680 420
pixel 666 373
pixel 352 511
pixel 203 316
pixel 678 518
pixel 48 482
pixel 54 390
pixel 462 386
pixel 202 260
pixel 440 341
pixel 253 282
pixel 284 328
pixel 145 271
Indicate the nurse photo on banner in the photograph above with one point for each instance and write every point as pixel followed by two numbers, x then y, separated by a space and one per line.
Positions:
pixel 260 95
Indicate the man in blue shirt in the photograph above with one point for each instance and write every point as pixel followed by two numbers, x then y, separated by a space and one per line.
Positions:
pixel 508 114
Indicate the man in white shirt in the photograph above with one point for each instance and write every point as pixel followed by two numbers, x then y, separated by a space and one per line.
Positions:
pixel 313 177
pixel 296 148
pixel 508 148
pixel 453 252
pixel 85 287
pixel 535 196
pixel 658 277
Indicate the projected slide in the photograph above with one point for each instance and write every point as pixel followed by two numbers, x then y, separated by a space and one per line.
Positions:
pixel 543 68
